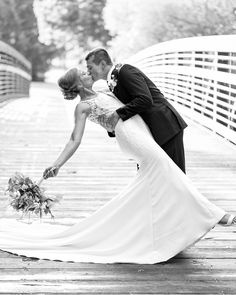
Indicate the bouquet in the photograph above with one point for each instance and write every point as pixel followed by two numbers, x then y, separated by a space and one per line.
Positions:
pixel 26 196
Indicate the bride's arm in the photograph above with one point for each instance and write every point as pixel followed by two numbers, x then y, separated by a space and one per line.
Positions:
pixel 81 112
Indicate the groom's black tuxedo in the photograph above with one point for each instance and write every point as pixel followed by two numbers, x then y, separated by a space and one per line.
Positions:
pixel 141 96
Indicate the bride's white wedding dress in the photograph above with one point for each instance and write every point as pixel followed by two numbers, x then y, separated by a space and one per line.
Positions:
pixel 156 216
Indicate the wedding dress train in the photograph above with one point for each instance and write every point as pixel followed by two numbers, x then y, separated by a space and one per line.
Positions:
pixel 156 216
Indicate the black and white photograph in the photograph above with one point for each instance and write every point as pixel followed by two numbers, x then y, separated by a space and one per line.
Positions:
pixel 118 147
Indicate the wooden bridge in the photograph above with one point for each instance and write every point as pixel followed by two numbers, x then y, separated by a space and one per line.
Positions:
pixel 34 130
pixel 198 76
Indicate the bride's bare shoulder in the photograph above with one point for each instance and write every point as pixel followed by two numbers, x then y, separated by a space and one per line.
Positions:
pixel 82 108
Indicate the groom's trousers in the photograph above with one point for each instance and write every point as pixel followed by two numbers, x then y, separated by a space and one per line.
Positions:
pixel 175 150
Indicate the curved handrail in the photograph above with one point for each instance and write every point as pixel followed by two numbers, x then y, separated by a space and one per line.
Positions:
pixel 15 73
pixel 198 75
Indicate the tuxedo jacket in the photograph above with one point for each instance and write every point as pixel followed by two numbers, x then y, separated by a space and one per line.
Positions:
pixel 141 96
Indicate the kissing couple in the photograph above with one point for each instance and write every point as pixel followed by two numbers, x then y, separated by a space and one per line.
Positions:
pixel 160 212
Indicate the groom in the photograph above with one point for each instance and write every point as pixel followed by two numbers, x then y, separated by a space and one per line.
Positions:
pixel 141 96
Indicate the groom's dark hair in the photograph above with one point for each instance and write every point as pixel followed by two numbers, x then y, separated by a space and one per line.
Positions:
pixel 99 55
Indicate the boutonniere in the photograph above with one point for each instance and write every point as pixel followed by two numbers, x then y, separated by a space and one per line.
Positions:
pixel 114 77
pixel 112 83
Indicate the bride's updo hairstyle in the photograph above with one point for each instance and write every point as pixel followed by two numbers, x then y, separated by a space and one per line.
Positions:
pixel 70 84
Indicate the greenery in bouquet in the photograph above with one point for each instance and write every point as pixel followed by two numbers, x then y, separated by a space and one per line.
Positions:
pixel 27 197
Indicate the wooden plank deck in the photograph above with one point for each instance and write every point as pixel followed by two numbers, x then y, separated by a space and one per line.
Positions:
pixel 33 132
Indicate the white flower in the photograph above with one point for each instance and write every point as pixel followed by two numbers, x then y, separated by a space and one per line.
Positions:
pixel 24 187
pixel 16 194
pixel 112 83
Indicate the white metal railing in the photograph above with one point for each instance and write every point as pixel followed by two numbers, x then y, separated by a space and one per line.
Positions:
pixel 198 75
pixel 15 73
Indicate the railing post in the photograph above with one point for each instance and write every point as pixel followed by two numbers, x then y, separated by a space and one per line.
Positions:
pixel 192 82
pixel 214 106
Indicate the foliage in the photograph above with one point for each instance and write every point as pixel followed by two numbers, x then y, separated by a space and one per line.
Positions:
pixel 27 197
pixel 209 17
pixel 138 24
pixel 19 29
pixel 74 25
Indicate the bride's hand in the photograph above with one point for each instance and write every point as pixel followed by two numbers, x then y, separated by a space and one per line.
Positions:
pixel 50 172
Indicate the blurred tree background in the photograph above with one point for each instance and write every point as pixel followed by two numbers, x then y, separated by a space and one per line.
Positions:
pixel 60 32
pixel 74 25
pixel 148 22
pixel 19 29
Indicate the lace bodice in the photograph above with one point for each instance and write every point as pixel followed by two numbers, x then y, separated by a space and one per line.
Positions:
pixel 102 107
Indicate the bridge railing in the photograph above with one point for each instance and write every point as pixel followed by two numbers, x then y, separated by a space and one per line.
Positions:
pixel 15 73
pixel 198 75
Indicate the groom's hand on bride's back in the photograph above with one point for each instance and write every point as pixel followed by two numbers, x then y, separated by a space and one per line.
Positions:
pixel 50 172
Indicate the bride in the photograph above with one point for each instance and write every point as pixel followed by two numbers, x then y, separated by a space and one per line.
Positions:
pixel 155 217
